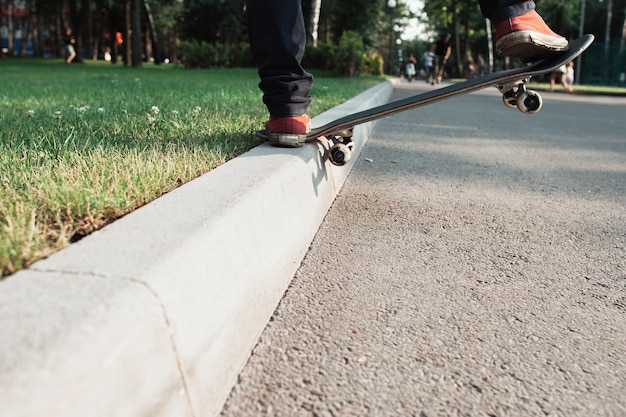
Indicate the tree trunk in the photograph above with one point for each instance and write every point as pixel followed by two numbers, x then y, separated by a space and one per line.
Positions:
pixel 147 39
pixel 457 40
pixel 26 33
pixel 316 7
pixel 173 47
pixel 34 24
pixel 152 30
pixel 10 42
pixel 127 31
pixel 60 50
pixel 622 44
pixel 607 42
pixel 490 45
pixel 76 30
pixel 95 46
pixel 92 36
pixel 135 37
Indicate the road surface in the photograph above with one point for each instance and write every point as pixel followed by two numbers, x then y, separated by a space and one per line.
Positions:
pixel 474 264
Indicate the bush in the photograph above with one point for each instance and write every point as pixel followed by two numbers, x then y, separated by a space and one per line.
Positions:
pixel 205 55
pixel 241 56
pixel 321 57
pixel 349 57
pixel 373 64
pixel 197 55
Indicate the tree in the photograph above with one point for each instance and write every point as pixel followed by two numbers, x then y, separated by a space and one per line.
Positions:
pixel 135 34
pixel 213 21
pixel 152 47
pixel 166 18
pixel 314 20
pixel 7 13
pixel 462 19
pixel 364 18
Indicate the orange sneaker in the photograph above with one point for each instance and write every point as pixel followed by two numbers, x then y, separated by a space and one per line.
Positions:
pixel 528 37
pixel 289 132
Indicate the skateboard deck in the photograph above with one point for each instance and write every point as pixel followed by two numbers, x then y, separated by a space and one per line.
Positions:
pixel 511 83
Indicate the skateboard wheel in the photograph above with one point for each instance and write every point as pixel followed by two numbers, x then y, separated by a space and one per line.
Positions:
pixel 510 99
pixel 340 154
pixel 529 102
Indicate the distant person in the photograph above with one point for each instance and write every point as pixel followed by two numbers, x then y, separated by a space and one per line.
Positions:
pixel 569 74
pixel 411 63
pixel 278 36
pixel 443 49
pixel 429 65
pixel 560 75
pixel 482 65
pixel 469 68
pixel 69 41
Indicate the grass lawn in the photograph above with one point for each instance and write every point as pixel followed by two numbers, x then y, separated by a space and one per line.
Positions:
pixel 540 84
pixel 582 89
pixel 84 144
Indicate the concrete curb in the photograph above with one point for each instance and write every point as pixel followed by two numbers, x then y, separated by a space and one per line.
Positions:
pixel 156 314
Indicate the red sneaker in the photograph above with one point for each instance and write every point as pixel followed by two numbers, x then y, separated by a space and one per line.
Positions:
pixel 288 132
pixel 528 37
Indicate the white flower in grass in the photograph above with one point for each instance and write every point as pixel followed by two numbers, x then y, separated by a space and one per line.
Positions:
pixel 100 109
pixel 196 111
pixel 57 115
pixel 155 110
pixel 31 113
pixel 82 109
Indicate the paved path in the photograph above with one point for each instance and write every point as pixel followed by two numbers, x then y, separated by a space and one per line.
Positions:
pixel 474 269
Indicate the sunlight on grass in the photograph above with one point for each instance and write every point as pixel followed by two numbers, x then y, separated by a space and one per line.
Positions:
pixel 82 145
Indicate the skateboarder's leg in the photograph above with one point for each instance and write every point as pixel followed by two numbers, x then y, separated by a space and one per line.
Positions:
pixel 520 31
pixel 277 39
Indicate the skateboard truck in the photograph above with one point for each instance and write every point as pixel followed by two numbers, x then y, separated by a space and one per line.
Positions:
pixel 341 146
pixel 516 96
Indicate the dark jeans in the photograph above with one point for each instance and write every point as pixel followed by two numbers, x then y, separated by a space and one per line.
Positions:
pixel 277 39
pixel 500 10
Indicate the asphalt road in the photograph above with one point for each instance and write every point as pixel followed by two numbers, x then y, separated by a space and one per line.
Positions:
pixel 474 264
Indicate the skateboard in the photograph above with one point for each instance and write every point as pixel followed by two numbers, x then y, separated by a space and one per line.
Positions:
pixel 511 83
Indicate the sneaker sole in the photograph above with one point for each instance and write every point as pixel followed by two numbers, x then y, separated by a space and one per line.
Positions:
pixel 529 45
pixel 285 140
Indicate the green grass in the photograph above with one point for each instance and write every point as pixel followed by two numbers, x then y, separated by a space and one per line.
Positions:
pixel 82 145
pixel 578 88
pixel 583 89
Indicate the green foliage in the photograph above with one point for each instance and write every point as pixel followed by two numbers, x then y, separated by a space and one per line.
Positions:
pixel 198 55
pixel 350 54
pixel 468 27
pixel 348 58
pixel 213 21
pixel 205 55
pixel 373 64
pixel 239 55
pixel 322 57
pixel 362 17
